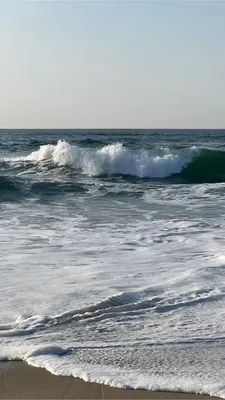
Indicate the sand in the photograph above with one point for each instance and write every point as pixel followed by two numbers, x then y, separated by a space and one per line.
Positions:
pixel 18 380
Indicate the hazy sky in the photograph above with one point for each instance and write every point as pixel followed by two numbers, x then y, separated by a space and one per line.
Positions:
pixel 112 64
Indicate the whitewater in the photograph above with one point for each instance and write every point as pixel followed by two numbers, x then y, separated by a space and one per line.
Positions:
pixel 112 256
pixel 109 160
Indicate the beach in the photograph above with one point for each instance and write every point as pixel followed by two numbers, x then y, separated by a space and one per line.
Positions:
pixel 18 380
pixel 112 200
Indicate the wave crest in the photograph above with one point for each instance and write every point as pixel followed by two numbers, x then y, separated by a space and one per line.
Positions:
pixel 110 160
pixel 189 165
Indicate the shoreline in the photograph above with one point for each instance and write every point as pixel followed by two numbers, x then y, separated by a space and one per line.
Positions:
pixel 18 380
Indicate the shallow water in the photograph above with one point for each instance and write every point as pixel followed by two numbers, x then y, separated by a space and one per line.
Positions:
pixel 112 255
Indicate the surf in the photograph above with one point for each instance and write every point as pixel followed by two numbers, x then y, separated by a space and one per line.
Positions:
pixel 187 165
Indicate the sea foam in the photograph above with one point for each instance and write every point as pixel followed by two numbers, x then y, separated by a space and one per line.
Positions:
pixel 111 159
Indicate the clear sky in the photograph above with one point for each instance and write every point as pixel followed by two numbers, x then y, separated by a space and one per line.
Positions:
pixel 112 64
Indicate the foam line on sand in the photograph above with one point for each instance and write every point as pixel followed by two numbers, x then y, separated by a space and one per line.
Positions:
pixel 18 380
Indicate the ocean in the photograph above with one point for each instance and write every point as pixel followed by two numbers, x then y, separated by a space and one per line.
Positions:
pixel 112 255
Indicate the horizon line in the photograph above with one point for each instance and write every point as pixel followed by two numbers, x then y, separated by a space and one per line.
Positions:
pixel 102 129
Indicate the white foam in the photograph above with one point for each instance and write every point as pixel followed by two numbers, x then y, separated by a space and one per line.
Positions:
pixel 167 371
pixel 27 352
pixel 46 350
pixel 112 159
pixel 129 293
pixel 23 326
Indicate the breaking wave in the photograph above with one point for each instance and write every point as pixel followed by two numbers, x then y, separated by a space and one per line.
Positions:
pixel 125 305
pixel 190 165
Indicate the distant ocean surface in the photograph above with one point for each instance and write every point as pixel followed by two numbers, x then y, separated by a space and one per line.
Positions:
pixel 112 255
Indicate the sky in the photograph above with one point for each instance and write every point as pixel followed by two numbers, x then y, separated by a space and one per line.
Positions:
pixel 112 64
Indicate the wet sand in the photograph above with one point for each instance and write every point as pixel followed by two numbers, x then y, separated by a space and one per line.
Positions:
pixel 18 380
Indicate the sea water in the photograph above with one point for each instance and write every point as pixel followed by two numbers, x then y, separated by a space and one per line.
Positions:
pixel 112 255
